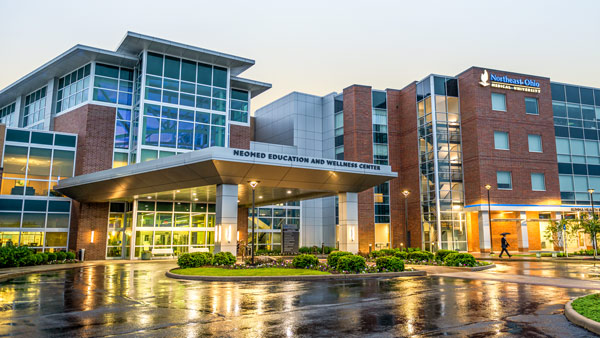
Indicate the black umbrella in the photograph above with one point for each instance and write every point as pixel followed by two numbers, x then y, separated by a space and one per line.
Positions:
pixel 505 233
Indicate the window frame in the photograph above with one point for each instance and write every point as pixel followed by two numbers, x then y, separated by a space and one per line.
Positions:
pixel 529 144
pixel 543 181
pixel 498 184
pixel 492 101
pixel 537 105
pixel 507 140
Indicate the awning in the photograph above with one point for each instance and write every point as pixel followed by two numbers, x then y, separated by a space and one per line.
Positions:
pixel 282 177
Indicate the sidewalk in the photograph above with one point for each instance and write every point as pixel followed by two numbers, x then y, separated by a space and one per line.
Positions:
pixel 8 273
pixel 532 258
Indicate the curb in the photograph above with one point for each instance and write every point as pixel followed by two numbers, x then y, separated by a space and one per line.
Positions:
pixel 483 267
pixel 580 320
pixel 543 259
pixel 298 278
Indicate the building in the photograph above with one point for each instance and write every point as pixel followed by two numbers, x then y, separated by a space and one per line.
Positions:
pixel 151 147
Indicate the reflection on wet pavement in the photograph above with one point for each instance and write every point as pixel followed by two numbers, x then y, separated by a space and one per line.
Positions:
pixel 578 270
pixel 137 299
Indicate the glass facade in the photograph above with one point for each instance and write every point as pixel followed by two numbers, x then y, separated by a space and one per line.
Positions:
pixel 576 123
pixel 8 116
pixel 34 110
pixel 338 104
pixel 113 84
pixel 239 106
pixel 269 222
pixel 169 224
pixel 31 213
pixel 73 89
pixel 440 158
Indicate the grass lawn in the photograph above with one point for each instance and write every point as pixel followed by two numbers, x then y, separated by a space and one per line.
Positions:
pixel 588 306
pixel 247 272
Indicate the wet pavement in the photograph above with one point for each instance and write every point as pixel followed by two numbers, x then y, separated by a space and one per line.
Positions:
pixel 138 300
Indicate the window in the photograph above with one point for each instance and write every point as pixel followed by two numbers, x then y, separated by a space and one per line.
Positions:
pixel 498 102
pixel 73 88
pixel 531 105
pixel 535 143
pixel 501 140
pixel 35 107
pixel 504 180
pixel 113 84
pixel 538 182
pixel 239 105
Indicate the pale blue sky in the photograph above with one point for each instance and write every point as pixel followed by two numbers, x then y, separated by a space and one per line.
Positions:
pixel 323 46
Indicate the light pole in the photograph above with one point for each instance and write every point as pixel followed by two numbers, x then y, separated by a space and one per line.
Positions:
pixel 406 235
pixel 488 187
pixel 253 184
pixel 591 192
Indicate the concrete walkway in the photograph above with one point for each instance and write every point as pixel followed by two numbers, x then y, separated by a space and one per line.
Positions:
pixel 571 258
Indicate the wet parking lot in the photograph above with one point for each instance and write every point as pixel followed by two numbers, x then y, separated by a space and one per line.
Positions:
pixel 138 300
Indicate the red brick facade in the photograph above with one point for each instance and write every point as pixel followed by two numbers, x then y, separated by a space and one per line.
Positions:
pixel 239 136
pixel 95 127
pixel 481 160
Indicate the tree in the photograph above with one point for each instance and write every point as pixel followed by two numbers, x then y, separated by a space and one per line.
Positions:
pixel 556 227
pixel 590 225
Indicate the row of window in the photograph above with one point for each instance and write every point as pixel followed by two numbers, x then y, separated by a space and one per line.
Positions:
pixel 504 181
pixel 499 104
pixel 501 142
pixel 73 88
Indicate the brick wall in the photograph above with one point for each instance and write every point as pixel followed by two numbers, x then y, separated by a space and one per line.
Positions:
pixel 94 125
pixel 481 160
pixel 358 146
pixel 239 136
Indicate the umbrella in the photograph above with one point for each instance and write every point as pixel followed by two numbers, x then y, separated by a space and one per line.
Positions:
pixel 505 233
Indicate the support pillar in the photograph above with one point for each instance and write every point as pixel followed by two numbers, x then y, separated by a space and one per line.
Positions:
pixel 226 218
pixel 522 235
pixel 484 231
pixel 348 219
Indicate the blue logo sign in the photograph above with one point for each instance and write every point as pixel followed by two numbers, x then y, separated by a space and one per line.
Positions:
pixel 520 82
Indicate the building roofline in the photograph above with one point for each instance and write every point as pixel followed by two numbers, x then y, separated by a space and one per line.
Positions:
pixel 499 70
pixel 133 42
pixel 254 87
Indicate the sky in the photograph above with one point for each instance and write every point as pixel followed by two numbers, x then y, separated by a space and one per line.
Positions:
pixel 319 47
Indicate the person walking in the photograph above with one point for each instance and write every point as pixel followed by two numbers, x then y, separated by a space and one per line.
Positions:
pixel 505 245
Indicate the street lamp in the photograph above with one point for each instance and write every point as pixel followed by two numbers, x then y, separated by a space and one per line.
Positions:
pixel 406 235
pixel 591 192
pixel 488 187
pixel 253 184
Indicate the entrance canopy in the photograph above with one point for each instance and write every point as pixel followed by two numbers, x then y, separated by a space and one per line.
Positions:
pixel 281 177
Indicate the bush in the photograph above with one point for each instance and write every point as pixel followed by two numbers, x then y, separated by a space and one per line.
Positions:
pixel 51 256
pixel 328 249
pixel 14 256
pixel 351 263
pixel 70 255
pixel 194 260
pixel 304 250
pixel 332 258
pixel 44 257
pixel 420 256
pixel 304 261
pixel 39 258
pixel 383 252
pixel 441 254
pixel 584 253
pixel 409 250
pixel 460 259
pixel 61 256
pixel 401 254
pixel 224 258
pixel 389 263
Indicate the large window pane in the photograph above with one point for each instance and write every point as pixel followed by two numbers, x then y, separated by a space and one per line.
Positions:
pixel 185 135
pixel 217 136
pixel 56 239
pixel 535 143
pixel 220 77
pixel 154 64
pixel 498 102
pixel 538 182
pixel 58 221
pixel 204 74
pixel 562 146
pixel 172 66
pixel 566 182
pixel 122 135
pixel 150 131
pixel 531 105
pixel 201 136
pixel 501 140
pixel 168 133
pixel 15 159
pixel 504 180
pixel 62 164
pixel 10 220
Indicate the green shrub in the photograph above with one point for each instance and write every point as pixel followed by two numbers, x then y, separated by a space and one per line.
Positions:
pixel 304 250
pixel 460 259
pixel 44 257
pixel 51 256
pixel 61 256
pixel 584 252
pixel 332 258
pixel 401 254
pixel 383 252
pixel 70 255
pixel 441 254
pixel 39 258
pixel 303 261
pixel 420 256
pixel 194 260
pixel 224 258
pixel 351 263
pixel 412 249
pixel 328 249
pixel 389 263
pixel 15 256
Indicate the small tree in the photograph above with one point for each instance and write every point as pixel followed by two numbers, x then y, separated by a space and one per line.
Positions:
pixel 556 227
pixel 590 225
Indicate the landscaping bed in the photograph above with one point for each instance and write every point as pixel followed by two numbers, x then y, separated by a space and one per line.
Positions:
pixel 17 256
pixel 585 312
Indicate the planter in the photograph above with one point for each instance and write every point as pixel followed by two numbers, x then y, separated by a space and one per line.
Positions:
pixel 146 255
